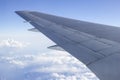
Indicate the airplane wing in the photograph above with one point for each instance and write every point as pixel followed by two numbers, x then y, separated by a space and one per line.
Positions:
pixel 96 45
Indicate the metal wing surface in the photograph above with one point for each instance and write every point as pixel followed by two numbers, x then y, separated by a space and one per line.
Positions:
pixel 96 45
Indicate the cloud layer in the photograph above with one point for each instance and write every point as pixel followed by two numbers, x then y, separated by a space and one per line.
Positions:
pixel 12 43
pixel 51 65
pixel 55 65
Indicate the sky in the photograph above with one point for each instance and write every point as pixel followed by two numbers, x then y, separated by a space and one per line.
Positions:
pixel 15 40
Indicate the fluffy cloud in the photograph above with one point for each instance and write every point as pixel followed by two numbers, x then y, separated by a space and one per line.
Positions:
pixel 63 77
pixel 54 65
pixel 63 63
pixel 12 43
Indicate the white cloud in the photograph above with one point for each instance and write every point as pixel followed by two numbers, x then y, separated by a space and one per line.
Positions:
pixel 12 43
pixel 60 65
pixel 57 63
pixel 61 62
pixel 15 62
pixel 63 77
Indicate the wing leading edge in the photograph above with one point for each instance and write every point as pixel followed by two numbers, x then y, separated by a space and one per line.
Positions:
pixel 98 52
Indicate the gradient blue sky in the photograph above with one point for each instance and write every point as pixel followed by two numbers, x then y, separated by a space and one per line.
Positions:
pixel 98 11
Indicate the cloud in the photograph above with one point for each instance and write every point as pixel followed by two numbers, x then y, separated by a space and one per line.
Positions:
pixel 61 63
pixel 11 43
pixel 53 65
pixel 20 63
pixel 63 77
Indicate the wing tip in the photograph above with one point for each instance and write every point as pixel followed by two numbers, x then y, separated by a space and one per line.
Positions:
pixel 22 11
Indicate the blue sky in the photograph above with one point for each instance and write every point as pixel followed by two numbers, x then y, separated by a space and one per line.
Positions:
pixel 14 34
pixel 99 11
